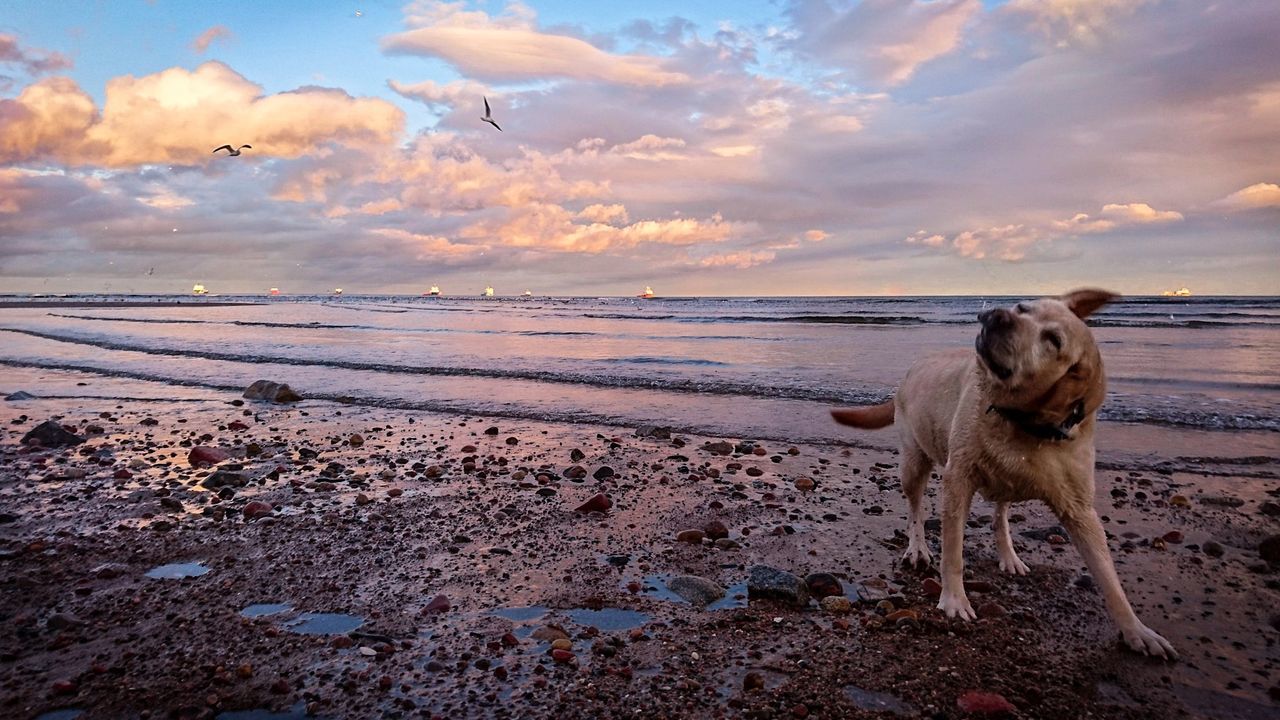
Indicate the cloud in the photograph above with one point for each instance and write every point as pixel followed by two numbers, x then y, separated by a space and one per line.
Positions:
pixel 510 47
pixel 31 61
pixel 208 37
pixel 1258 195
pixel 1015 242
pixel 551 228
pixel 741 260
pixel 443 96
pixel 178 116
pixel 1066 21
pixel 882 42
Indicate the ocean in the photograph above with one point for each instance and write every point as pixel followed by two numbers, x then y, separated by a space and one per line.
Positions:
pixel 765 368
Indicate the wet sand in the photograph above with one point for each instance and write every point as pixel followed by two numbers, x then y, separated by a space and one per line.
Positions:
pixel 427 569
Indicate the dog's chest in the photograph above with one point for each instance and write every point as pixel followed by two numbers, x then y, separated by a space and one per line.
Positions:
pixel 1020 474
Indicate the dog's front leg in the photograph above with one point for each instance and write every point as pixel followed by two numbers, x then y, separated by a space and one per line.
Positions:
pixel 1091 540
pixel 957 494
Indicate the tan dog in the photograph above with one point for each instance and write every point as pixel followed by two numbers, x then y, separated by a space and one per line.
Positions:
pixel 1013 422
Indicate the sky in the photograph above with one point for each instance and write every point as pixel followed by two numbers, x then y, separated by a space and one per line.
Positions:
pixel 754 147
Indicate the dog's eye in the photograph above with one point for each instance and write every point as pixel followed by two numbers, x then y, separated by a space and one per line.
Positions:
pixel 1053 339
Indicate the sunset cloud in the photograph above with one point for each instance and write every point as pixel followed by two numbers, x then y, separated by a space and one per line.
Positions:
pixel 509 47
pixel 1065 21
pixel 31 61
pixel 1258 195
pixel 880 41
pixel 178 116
pixel 208 37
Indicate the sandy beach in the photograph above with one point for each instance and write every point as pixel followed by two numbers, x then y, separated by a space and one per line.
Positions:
pixel 346 561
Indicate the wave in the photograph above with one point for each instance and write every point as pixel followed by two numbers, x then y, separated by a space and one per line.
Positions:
pixel 1120 407
pixel 665 361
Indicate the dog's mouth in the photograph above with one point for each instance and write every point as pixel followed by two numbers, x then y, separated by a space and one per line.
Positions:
pixel 1001 371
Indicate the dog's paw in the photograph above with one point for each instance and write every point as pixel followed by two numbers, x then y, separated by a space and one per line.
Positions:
pixel 917 556
pixel 957 606
pixel 1013 565
pixel 1148 642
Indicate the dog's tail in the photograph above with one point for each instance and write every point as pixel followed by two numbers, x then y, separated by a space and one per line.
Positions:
pixel 871 417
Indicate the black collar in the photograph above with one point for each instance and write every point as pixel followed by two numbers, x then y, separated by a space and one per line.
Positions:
pixel 1025 422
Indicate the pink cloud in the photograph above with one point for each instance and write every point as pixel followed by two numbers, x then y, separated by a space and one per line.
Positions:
pixel 179 116
pixel 1258 195
pixel 217 33
pixel 510 47
pixel 31 61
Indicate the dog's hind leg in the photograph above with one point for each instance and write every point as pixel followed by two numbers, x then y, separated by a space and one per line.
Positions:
pixel 1009 560
pixel 915 476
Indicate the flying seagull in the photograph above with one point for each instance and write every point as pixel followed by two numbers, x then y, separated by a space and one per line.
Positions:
pixel 488 116
pixel 231 152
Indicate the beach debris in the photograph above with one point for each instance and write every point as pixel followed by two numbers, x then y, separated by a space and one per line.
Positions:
pixel 51 434
pixel 596 503
pixel 697 590
pixel 488 116
pixel 204 456
pixel 272 391
pixel 770 583
pixel 20 395
pixel 823 585
pixel 977 702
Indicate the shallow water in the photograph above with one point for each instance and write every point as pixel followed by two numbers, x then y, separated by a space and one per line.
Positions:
pixel 177 571
pixel 730 366
pixel 324 624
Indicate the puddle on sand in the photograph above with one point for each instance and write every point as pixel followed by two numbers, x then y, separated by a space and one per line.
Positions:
pixel 878 701
pixel 604 620
pixel 324 624
pixel 177 571
pixel 297 712
pixel 655 586
pixel 63 714
pixel 264 609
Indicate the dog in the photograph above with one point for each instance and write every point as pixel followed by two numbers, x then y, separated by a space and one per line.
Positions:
pixel 1013 421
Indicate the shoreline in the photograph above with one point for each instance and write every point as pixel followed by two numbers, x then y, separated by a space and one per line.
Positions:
pixel 380 535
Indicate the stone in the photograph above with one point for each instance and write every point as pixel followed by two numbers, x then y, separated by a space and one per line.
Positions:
pixel 576 455
pixel 653 431
pixel 575 472
pixel 1173 537
pixel 549 632
pixel 752 682
pixel 491 430
pixel 1213 548
pixel 204 456
pixel 356 440
pixel 715 530
pixel 693 537
pixel 836 604
pixel 224 478
pixel 984 703
pixel 804 484
pixel 724 447
pixel 596 503
pixel 20 395
pixel 237 426
pixel 257 509
pixel 51 434
pixel 991 609
pixel 727 544
pixel 561 656
pixel 1270 509
pixel 439 604
pixel 1269 549
pixel 271 391
pixel 696 590
pixel 770 583
pixel 823 585
pixel 603 473
pixel 931 588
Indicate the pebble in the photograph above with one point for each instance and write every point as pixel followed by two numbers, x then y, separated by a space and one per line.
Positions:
pixel 356 440
pixel 1269 549
pixel 1173 537
pixel 603 473
pixel 1213 548
pixel 836 604
pixel 51 434
pixel 753 681
pixel 984 703
pixel 204 456
pixel 931 588
pixel 561 656
pixel 596 503
pixel 991 609
pixel 716 530
pixel 256 509
pixel 438 604
pixel 693 537
pixel 697 590
pixel 804 484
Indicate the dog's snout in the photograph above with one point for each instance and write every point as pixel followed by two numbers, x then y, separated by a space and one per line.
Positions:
pixel 995 318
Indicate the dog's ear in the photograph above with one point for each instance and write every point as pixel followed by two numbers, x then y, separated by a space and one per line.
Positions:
pixel 1085 301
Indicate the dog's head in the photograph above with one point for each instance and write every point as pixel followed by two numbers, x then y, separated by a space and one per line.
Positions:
pixel 1039 357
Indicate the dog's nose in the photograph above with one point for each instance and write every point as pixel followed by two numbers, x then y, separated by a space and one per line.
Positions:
pixel 995 318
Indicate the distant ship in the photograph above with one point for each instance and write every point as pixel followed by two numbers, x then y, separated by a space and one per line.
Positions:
pixel 435 292
pixel 1180 292
pixel 526 293
pixel 199 290
pixel 274 291
pixel 647 294
pixel 337 291
pixel 488 291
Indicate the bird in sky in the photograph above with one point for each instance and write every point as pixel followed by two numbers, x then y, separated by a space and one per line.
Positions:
pixel 488 116
pixel 232 152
